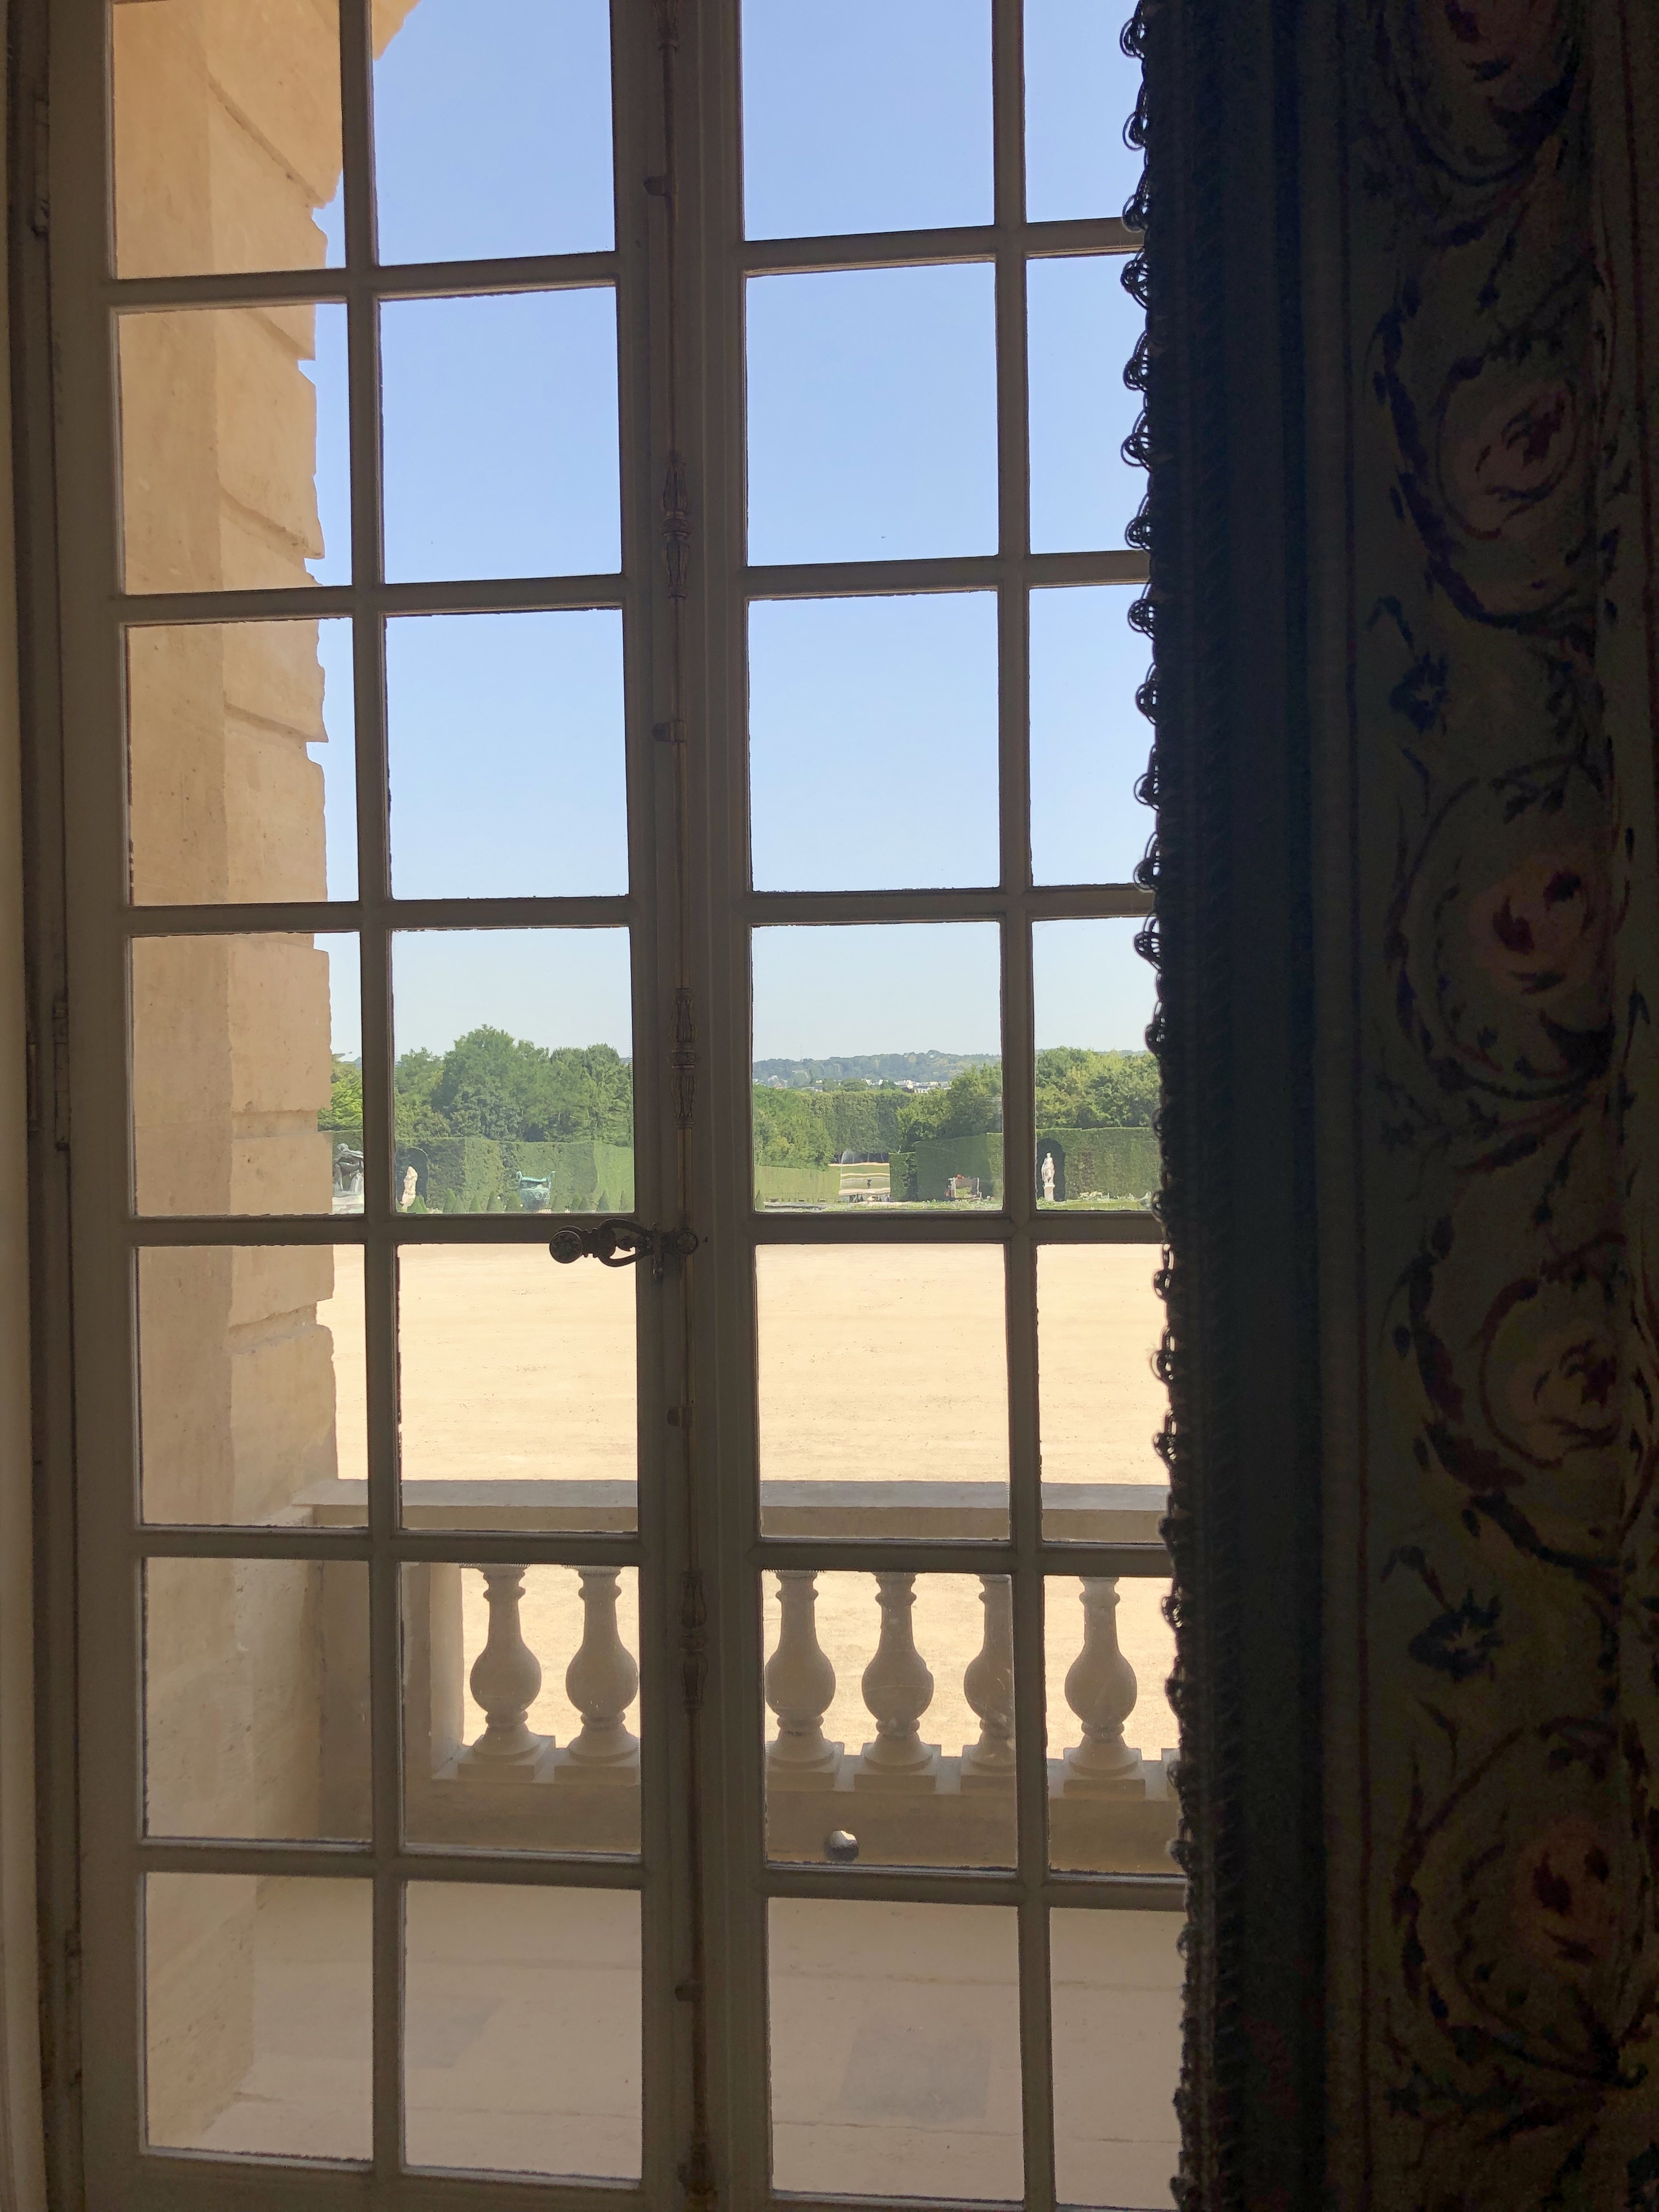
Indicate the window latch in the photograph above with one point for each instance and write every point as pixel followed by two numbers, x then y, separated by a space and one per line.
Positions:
pixel 622 1243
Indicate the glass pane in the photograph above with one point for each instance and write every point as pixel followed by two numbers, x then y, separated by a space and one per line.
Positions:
pixel 521 1706
pixel 873 742
pixel 492 130
pixel 883 1389
pixel 1099 1325
pixel 1089 741
pixel 895 2049
pixel 1108 1658
pixel 227 135
pixel 518 1405
pixel 256 2014
pixel 241 771
pixel 891 1737
pixel 855 1101
pixel 1096 1084
pixel 513 1082
pixel 522 2029
pixel 1080 92
pixel 235 473
pixel 532 704
pixel 498 422
pixel 1116 1980
pixel 256 1699
pixel 1083 328
pixel 232 1089
pixel 832 144
pixel 872 430
pixel 251 1392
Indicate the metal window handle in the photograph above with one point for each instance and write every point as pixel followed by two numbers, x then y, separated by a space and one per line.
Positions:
pixel 621 1244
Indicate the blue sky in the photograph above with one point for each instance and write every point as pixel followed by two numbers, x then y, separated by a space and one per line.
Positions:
pixel 872 402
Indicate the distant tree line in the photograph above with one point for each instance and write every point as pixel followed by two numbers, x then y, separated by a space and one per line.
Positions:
pixel 1075 1089
pixel 871 1067
pixel 492 1085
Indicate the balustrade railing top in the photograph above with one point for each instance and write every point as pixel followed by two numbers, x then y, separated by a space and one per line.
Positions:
pixel 1079 1512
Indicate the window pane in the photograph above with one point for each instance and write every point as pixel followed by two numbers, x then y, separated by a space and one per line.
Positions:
pixel 256 2014
pixel 513 1080
pixel 873 742
pixel 250 1391
pixel 895 2049
pixel 233 1101
pixel 832 144
pixel 1108 1655
pixel 1080 92
pixel 500 428
pixel 1089 741
pixel 872 414
pixel 227 135
pixel 855 1100
pixel 233 448
pixel 521 1704
pixel 1083 328
pixel 883 1390
pixel 256 1699
pixel 891 1734
pixel 241 775
pixel 1096 1084
pixel 1116 1979
pixel 492 131
pixel 522 2029
pixel 517 1389
pixel 529 708
pixel 1099 1325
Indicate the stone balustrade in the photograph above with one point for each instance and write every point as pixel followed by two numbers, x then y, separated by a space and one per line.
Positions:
pixel 477 1771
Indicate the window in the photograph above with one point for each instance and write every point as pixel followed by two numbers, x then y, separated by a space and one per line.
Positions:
pixel 614 1142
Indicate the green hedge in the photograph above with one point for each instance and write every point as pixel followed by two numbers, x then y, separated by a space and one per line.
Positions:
pixel 477 1174
pixel 1105 1164
pixel 1116 1163
pixel 797 1186
pixel 808 1129
pixel 931 1162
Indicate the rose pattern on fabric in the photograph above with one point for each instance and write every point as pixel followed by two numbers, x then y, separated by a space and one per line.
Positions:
pixel 1504 734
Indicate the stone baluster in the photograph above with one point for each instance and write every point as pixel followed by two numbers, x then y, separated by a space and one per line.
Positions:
pixel 1101 1689
pixel 505 1679
pixel 989 1686
pixel 800 1686
pixel 601 1681
pixel 898 1690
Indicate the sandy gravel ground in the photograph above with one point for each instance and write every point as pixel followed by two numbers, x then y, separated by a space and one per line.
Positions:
pixel 882 1364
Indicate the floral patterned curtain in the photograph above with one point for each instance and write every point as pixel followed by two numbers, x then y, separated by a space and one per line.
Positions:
pixel 1499 1611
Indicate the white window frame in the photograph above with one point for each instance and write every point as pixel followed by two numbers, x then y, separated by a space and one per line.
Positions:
pixel 679 268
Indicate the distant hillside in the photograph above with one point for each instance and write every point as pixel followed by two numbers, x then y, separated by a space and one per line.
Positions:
pixel 872 1067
